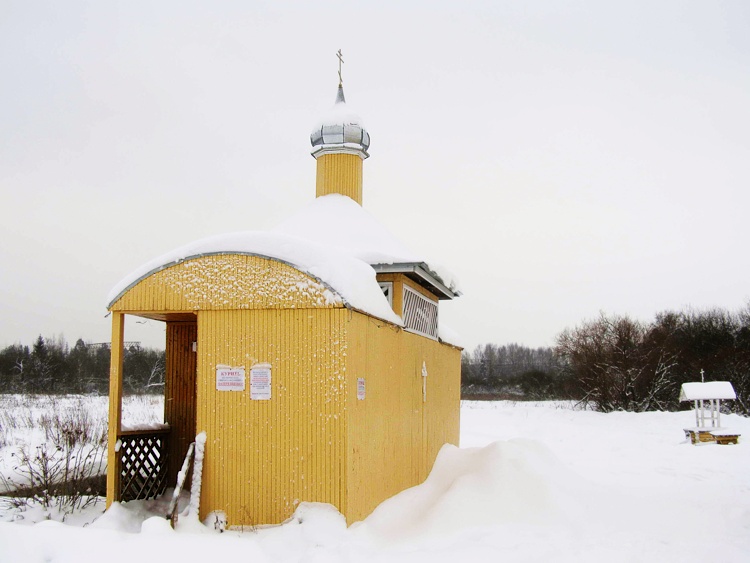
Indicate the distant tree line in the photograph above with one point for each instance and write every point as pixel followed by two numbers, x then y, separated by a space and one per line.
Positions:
pixel 609 363
pixel 617 363
pixel 512 371
pixel 51 366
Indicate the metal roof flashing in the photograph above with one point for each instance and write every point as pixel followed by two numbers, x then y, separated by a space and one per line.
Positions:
pixel 421 273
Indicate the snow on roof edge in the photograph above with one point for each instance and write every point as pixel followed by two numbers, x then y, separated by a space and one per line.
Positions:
pixel 310 241
pixel 112 300
pixel 696 391
pixel 447 335
pixel 350 278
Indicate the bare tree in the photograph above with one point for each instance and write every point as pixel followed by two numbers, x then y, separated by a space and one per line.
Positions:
pixel 613 365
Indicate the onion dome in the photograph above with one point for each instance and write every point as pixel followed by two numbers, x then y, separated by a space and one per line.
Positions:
pixel 340 131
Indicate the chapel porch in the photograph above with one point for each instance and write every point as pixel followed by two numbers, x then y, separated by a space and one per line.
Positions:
pixel 144 459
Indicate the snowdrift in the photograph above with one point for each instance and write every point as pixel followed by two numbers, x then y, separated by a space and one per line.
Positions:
pixel 515 482
pixel 589 487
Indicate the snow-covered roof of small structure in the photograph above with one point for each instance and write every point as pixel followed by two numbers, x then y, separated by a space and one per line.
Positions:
pixel 697 391
pixel 332 239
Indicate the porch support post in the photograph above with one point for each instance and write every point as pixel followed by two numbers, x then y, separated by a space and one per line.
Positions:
pixel 115 407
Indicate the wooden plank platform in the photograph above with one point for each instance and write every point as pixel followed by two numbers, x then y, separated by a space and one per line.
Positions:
pixel 725 438
pixel 699 435
pixel 711 436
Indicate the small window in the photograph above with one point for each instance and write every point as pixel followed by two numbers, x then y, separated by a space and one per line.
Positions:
pixel 387 289
pixel 420 313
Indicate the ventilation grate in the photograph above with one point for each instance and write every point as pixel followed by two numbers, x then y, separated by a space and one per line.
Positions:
pixel 420 313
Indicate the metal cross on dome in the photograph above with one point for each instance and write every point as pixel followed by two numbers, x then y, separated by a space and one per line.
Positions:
pixel 341 60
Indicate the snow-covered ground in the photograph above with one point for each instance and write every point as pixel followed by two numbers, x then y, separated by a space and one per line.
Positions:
pixel 531 482
pixel 30 420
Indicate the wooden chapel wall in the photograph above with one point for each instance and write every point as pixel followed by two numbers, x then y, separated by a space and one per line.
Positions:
pixel 263 457
pixel 179 392
pixel 396 431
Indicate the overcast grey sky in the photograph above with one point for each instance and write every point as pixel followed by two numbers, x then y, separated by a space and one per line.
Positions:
pixel 562 158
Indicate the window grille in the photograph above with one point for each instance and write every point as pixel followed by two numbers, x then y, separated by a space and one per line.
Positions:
pixel 387 289
pixel 420 313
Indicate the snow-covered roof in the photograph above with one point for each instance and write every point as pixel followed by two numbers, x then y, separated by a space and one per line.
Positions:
pixel 697 391
pixel 352 279
pixel 338 222
pixel 332 239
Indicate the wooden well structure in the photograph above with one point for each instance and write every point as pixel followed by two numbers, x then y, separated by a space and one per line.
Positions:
pixel 706 398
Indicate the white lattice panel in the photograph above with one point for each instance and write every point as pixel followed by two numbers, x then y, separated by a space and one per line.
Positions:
pixel 420 313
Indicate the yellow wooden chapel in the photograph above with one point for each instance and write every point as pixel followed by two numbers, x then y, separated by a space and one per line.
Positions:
pixel 313 358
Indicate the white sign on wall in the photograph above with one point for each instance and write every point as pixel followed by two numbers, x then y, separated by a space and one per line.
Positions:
pixel 260 382
pixel 230 379
pixel 361 388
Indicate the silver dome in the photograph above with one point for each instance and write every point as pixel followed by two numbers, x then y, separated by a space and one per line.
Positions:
pixel 341 130
pixel 340 134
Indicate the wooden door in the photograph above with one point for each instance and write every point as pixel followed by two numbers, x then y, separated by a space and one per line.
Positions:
pixel 179 392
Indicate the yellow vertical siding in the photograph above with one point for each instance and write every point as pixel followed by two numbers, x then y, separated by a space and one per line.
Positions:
pixel 264 457
pixel 179 392
pixel 339 174
pixel 393 435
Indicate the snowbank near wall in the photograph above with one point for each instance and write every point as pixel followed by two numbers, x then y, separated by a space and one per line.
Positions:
pixel 514 482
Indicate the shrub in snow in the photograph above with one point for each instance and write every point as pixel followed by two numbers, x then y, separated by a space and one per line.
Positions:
pixel 64 471
pixel 216 520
